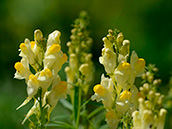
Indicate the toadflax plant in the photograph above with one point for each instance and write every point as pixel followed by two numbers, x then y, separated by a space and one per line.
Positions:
pixel 80 70
pixel 39 66
pixel 118 92
pixel 151 113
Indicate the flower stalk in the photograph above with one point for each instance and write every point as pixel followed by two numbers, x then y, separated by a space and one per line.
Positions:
pixel 118 92
pixel 80 69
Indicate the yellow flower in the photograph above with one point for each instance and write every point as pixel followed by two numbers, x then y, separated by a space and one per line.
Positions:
pixel 22 69
pixel 146 118
pixel 58 63
pixel 58 92
pixel 54 38
pixel 122 74
pixel 112 119
pixel 137 64
pixel 108 59
pixel 125 95
pixel 18 66
pixel 99 89
pixel 23 47
pixel 54 49
pixel 104 92
pixel 32 88
pixel 32 43
pixel 60 88
pixel 87 71
pixel 45 79
pixel 107 43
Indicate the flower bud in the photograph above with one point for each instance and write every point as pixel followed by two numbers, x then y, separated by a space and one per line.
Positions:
pixel 119 39
pixel 150 78
pixel 125 49
pixel 38 36
pixel 107 43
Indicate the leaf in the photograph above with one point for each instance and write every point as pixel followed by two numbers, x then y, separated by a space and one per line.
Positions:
pixel 95 112
pixel 61 117
pixel 77 104
pixel 84 104
pixel 60 124
pixel 66 104
pixel 105 126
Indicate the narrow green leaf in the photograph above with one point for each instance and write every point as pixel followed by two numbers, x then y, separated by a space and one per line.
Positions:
pixel 61 117
pixel 85 103
pixel 77 104
pixel 95 112
pixel 66 104
pixel 60 124
pixel 105 126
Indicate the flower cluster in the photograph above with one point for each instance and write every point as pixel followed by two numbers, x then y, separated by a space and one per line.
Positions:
pixel 150 114
pixel 39 66
pixel 117 92
pixel 80 67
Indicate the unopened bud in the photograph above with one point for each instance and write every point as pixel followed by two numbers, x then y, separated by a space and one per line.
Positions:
pixel 150 78
pixel 147 73
pixel 110 31
pixel 69 44
pixel 119 39
pixel 72 37
pixel 73 30
pixel 38 35
pixel 157 82
pixel 155 69
pixel 144 76
pixel 80 34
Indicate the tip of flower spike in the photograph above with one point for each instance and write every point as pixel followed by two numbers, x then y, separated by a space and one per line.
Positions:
pixel 120 37
pixel 33 78
pixel 99 89
pixel 104 39
pixel 38 34
pixel 54 48
pixel 125 95
pixel 46 72
pixel 124 65
pixel 32 43
pixel 23 47
pixel 18 66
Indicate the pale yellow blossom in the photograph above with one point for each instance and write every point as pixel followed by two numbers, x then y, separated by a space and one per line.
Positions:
pixel 104 92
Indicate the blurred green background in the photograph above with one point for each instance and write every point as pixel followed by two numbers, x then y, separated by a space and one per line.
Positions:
pixel 147 24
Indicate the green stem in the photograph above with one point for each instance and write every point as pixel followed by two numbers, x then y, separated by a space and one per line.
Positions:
pixel 41 109
pixel 77 105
